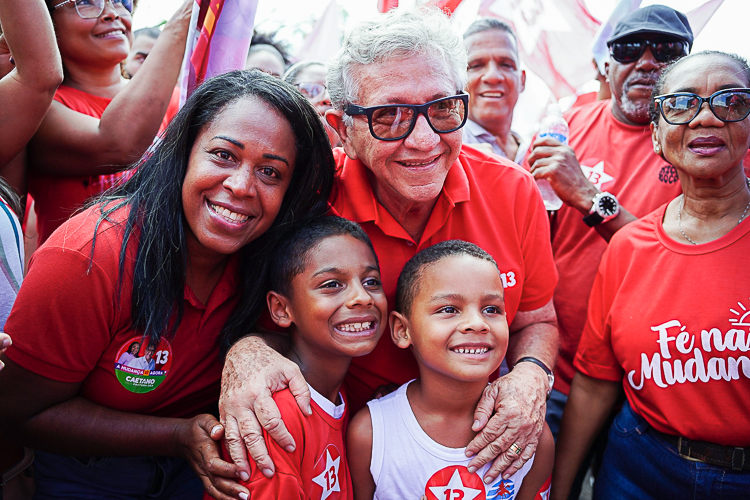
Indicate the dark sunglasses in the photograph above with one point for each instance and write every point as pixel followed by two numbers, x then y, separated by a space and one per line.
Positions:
pixel 628 52
pixel 729 105
pixel 90 9
pixel 391 122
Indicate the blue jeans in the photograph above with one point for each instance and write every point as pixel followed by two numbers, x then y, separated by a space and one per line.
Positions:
pixel 640 465
pixel 115 478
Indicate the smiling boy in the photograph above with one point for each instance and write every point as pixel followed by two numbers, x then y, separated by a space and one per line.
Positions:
pixel 325 289
pixel 450 312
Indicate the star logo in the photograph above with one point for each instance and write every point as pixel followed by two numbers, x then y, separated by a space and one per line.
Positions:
pixel 456 489
pixel 329 478
pixel 596 174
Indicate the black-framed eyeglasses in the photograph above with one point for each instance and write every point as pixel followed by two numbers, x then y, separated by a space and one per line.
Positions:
pixel 391 122
pixel 628 52
pixel 90 9
pixel 313 90
pixel 728 105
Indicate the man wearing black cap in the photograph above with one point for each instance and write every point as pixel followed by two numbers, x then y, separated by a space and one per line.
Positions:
pixel 610 161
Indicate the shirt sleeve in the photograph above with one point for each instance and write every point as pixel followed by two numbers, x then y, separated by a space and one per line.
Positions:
pixel 595 356
pixel 287 482
pixel 62 319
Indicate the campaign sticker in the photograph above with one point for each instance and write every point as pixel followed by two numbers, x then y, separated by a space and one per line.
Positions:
pixel 141 365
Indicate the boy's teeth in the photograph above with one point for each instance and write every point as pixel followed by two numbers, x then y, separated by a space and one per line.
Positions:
pixel 463 350
pixel 355 327
pixel 233 216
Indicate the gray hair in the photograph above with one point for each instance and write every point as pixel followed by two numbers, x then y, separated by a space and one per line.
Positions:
pixel 488 24
pixel 399 34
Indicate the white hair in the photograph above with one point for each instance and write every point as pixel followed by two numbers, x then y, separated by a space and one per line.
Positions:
pixel 401 33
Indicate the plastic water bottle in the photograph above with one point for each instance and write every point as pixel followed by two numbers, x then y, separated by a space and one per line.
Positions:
pixel 553 125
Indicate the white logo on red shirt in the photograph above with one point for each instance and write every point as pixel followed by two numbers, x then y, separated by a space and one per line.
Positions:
pixel 455 483
pixel 702 366
pixel 596 174
pixel 328 479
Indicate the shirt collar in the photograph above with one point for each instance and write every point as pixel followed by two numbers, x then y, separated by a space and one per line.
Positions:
pixel 361 204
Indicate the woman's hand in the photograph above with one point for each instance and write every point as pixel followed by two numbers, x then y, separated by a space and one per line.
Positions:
pixel 5 342
pixel 252 373
pixel 199 443
pixel 511 411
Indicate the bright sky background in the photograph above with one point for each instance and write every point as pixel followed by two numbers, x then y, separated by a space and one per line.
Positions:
pixel 726 31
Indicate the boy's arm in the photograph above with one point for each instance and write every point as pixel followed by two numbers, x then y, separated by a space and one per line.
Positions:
pixel 541 471
pixel 359 455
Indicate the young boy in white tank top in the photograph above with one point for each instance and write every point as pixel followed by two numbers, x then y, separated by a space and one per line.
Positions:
pixel 411 444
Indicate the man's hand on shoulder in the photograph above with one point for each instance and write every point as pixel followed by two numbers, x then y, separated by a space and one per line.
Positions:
pixel 510 417
pixel 551 160
pixel 253 371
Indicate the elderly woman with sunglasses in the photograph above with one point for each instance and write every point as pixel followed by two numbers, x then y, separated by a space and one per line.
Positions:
pixel 668 315
pixel 97 124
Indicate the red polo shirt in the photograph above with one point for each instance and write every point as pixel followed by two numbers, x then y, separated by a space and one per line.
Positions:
pixel 487 201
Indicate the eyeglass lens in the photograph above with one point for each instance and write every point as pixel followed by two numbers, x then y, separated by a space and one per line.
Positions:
pixel 89 9
pixel 627 52
pixel 311 90
pixel 728 106
pixel 392 122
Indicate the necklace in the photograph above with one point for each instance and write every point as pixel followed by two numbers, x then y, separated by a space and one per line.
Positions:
pixel 679 216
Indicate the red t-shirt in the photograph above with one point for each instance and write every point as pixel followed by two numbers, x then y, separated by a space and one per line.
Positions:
pixel 317 468
pixel 485 200
pixel 67 326
pixel 671 320
pixel 57 197
pixel 617 158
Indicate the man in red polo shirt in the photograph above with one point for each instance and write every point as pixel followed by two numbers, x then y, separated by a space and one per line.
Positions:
pixel 404 176
pixel 611 160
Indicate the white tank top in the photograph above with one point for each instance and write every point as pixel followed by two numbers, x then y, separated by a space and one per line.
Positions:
pixel 407 463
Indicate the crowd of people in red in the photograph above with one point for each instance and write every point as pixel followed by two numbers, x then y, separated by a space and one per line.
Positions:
pixel 306 287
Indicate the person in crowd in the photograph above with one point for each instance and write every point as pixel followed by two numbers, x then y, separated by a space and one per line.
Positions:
pixel 310 78
pixel 266 55
pixel 674 344
pixel 98 125
pixel 609 161
pixel 177 256
pixel 143 42
pixel 495 81
pixel 450 313
pixel 325 287
pixel 396 88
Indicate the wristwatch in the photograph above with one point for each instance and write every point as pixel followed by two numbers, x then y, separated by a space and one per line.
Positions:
pixel 540 364
pixel 605 208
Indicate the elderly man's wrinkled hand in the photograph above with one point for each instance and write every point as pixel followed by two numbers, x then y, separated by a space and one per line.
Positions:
pixel 252 373
pixel 510 416
pixel 551 160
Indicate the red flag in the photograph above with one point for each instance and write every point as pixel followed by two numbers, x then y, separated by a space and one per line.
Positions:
pixel 386 5
pixel 553 38
pixel 447 6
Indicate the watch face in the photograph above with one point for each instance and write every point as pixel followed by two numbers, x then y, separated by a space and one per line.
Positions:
pixel 607 206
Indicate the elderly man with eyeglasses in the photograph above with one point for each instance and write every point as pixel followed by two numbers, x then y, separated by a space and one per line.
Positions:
pixel 610 161
pixel 397 91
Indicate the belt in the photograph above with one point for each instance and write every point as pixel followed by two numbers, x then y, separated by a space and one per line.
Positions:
pixel 731 457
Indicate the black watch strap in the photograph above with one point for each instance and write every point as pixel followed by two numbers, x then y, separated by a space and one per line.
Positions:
pixel 537 362
pixel 591 220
